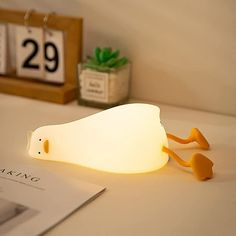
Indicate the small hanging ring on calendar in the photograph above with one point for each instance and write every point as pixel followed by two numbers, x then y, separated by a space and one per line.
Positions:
pixel 27 17
pixel 45 22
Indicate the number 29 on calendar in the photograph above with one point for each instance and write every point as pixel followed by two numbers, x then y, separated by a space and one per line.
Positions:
pixel 40 54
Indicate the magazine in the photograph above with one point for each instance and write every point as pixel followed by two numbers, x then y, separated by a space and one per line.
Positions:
pixel 33 200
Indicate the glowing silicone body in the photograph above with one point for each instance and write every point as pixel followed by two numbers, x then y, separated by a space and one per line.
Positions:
pixel 124 139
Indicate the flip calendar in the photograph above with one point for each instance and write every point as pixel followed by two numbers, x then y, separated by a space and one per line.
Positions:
pixel 44 51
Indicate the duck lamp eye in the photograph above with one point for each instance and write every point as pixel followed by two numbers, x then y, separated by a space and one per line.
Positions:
pixel 126 139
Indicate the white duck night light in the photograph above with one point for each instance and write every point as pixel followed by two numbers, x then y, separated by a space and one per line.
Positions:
pixel 125 139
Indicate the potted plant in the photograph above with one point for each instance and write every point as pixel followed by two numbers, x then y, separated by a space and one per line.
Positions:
pixel 104 79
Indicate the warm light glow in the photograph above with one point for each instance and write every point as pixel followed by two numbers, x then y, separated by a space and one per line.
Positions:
pixel 124 139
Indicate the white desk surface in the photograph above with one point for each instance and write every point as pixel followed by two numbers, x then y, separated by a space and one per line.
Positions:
pixel 166 202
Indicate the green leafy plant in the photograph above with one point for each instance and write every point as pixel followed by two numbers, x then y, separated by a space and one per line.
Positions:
pixel 105 60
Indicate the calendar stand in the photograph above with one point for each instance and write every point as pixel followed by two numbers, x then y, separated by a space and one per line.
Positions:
pixel 72 28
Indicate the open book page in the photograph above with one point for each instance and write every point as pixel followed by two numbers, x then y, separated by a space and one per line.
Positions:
pixel 33 200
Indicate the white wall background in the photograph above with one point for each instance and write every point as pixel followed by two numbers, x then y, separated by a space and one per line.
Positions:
pixel 183 52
